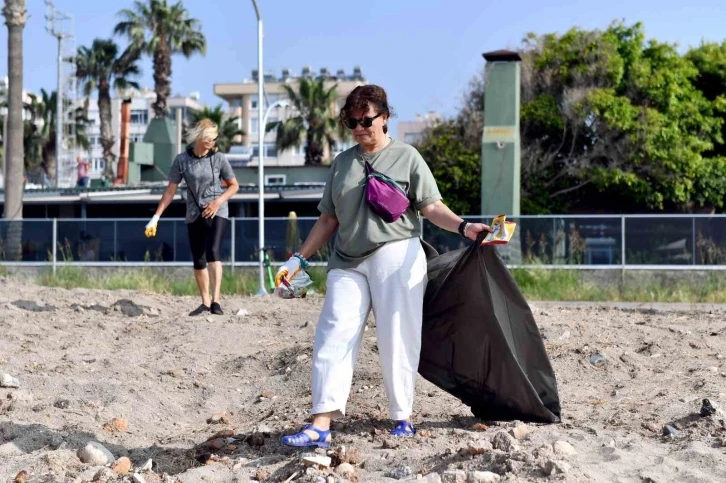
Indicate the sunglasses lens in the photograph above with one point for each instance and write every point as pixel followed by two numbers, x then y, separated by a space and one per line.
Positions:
pixel 351 123
pixel 367 122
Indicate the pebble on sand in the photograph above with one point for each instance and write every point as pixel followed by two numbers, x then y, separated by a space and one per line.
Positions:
pixel 317 461
pixel 9 381
pixel 116 425
pixel 553 467
pixel 345 469
pixel 503 441
pixel 483 477
pixel 520 432
pixel 122 466
pixel 564 448
pixel 95 454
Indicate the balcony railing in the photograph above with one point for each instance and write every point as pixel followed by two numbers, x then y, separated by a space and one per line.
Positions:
pixel 570 241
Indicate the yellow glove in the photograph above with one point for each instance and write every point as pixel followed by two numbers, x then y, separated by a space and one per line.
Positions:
pixel 151 226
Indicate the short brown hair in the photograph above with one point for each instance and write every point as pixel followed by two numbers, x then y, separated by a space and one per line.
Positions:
pixel 364 96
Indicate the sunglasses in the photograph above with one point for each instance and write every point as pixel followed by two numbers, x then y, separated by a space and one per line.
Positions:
pixel 366 122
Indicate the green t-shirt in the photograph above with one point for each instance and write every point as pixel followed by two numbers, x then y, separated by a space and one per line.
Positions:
pixel 361 231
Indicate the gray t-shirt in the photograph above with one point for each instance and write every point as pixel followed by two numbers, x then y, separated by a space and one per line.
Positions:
pixel 360 230
pixel 202 176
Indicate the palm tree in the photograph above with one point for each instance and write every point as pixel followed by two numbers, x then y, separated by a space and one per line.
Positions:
pixel 161 30
pixel 40 129
pixel 315 120
pixel 101 67
pixel 228 126
pixel 15 18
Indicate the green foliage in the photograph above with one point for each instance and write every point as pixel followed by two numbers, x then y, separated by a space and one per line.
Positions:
pixel 313 123
pixel 161 30
pixel 608 115
pixel 457 168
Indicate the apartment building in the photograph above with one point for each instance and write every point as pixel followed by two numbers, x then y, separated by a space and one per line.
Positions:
pixel 411 132
pixel 242 98
pixel 141 115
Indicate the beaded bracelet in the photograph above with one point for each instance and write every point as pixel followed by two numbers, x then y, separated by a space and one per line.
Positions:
pixel 303 261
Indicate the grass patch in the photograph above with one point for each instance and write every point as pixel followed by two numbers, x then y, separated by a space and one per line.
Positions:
pixel 145 279
pixel 536 284
pixel 573 285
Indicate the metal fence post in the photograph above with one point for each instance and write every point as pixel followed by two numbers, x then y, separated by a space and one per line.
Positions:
pixel 174 238
pixel 622 241
pixel 233 244
pixel 693 235
pixel 55 244
pixel 115 239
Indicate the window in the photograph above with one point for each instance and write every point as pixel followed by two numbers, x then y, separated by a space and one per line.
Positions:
pixel 275 179
pixel 98 164
pixel 299 150
pixel 235 103
pixel 270 150
pixel 271 99
pixel 139 116
pixel 136 138
pixel 254 126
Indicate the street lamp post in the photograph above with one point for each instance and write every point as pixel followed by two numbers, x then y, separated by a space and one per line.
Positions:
pixel 261 188
pixel 261 167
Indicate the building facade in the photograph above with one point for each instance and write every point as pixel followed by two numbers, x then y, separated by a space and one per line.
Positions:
pixel 243 98
pixel 412 132
pixel 141 115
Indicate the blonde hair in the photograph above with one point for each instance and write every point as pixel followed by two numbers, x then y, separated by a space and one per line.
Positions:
pixel 206 128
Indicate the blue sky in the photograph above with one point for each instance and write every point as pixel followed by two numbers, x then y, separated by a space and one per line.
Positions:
pixel 423 52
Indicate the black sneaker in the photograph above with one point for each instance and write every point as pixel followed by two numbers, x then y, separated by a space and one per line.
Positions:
pixel 199 310
pixel 216 309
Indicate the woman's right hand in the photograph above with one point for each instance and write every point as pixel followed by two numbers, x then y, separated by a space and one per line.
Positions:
pixel 288 270
pixel 150 229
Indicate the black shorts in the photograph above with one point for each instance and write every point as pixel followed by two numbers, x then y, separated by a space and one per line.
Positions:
pixel 205 240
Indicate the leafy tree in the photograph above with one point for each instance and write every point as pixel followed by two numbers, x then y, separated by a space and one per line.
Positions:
pixel 40 132
pixel 455 166
pixel 161 30
pixel 102 68
pixel 228 126
pixel 710 61
pixel 607 115
pixel 314 120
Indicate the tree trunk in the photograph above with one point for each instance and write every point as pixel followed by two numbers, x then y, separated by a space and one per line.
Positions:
pixel 162 74
pixel 107 140
pixel 49 157
pixel 15 18
pixel 313 151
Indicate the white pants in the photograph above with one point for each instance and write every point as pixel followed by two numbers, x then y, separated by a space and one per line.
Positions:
pixel 392 282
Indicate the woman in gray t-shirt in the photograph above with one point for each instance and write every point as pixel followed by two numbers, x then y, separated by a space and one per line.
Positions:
pixel 204 170
pixel 375 265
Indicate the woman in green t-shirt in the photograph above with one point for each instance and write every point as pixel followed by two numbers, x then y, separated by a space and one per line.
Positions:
pixel 375 265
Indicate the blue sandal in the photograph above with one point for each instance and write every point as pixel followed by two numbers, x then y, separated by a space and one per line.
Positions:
pixel 403 428
pixel 302 439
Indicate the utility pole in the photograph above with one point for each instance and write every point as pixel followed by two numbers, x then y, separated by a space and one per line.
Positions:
pixel 57 24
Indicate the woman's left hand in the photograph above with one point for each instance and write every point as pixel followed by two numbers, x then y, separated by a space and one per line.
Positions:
pixel 211 209
pixel 473 230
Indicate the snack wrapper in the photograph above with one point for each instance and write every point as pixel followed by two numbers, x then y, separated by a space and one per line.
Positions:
pixel 297 287
pixel 502 231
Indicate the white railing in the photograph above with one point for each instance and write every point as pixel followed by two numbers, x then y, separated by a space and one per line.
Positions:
pixel 627 242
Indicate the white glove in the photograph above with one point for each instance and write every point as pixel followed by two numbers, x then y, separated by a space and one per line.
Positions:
pixel 288 270
pixel 150 229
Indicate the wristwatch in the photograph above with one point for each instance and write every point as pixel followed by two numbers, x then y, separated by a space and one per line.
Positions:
pixel 462 228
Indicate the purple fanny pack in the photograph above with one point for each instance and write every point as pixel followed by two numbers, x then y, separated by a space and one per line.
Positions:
pixel 384 195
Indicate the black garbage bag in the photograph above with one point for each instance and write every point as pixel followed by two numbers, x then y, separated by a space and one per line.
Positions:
pixel 480 342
